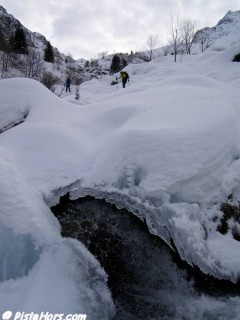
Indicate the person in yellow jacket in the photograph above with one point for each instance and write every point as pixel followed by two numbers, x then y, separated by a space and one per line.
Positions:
pixel 125 77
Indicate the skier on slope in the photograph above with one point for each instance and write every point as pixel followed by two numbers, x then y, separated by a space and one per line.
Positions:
pixel 125 77
pixel 68 82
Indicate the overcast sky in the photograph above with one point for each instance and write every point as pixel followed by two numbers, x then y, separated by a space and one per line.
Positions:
pixel 85 28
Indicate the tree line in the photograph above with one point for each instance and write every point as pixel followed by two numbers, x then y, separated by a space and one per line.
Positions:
pixel 18 58
pixel 181 36
pixel 17 43
pixel 16 54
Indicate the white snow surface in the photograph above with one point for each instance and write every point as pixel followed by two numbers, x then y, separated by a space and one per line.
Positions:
pixel 166 147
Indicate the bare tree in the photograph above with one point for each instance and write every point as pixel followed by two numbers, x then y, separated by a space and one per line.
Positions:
pixel 175 35
pixel 151 43
pixel 77 93
pixel 102 55
pixel 33 64
pixel 165 50
pixel 50 81
pixel 188 30
pixel 5 59
pixel 58 60
pixel 203 37
pixel 69 60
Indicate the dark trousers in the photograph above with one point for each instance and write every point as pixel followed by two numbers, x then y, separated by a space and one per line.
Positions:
pixel 68 88
pixel 124 81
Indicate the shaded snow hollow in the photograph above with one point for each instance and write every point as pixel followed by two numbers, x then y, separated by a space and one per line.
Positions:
pixel 166 148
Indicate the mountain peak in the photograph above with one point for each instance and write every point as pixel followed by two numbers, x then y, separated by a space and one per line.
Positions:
pixel 230 17
pixel 3 9
pixel 225 34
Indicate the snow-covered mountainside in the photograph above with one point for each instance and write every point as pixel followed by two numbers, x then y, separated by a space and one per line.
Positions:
pixel 62 66
pixel 32 63
pixel 225 34
pixel 9 24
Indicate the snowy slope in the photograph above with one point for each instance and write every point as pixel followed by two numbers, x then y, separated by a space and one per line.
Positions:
pixel 34 258
pixel 220 37
pixel 166 147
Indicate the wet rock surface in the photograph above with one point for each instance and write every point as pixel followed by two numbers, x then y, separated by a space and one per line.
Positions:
pixel 147 280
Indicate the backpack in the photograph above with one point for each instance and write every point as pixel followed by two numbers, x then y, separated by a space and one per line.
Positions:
pixel 125 74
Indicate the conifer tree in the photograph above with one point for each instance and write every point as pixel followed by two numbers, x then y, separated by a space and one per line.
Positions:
pixel 124 62
pixel 48 53
pixel 116 64
pixel 18 42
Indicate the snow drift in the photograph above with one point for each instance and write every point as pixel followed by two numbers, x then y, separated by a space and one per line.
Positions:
pixel 166 148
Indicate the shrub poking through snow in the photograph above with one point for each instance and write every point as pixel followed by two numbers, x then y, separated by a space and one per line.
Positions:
pixel 236 58
pixel 231 217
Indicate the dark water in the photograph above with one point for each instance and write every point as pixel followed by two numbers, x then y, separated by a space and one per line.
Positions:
pixel 147 280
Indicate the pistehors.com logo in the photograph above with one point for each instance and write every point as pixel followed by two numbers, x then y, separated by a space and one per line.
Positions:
pixel 9 315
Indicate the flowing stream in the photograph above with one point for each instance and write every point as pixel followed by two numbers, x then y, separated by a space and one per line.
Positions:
pixel 147 280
